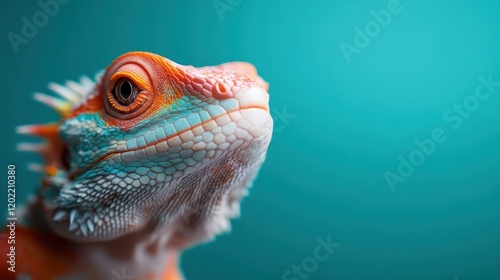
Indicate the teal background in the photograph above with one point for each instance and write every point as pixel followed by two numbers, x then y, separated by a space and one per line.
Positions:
pixel 324 173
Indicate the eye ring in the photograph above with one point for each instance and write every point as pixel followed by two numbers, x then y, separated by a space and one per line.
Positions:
pixel 125 91
pixel 126 100
pixel 128 93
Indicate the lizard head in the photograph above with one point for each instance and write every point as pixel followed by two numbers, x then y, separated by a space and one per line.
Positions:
pixel 157 144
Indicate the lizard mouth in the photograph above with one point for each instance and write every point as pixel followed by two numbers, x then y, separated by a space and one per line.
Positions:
pixel 251 115
pixel 162 143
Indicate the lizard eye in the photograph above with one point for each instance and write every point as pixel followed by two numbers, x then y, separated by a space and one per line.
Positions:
pixel 126 99
pixel 125 91
pixel 128 93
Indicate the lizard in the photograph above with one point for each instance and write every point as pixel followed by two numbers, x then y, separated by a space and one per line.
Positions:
pixel 150 158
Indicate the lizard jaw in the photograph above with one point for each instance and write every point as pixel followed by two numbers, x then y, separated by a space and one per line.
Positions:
pixel 224 132
pixel 237 137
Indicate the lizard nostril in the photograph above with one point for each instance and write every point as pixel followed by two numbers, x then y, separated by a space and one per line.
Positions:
pixel 220 87
pixel 219 91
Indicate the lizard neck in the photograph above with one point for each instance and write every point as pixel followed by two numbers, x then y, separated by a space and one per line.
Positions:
pixel 142 254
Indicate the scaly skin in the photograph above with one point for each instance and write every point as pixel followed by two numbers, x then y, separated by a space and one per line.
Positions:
pixel 152 159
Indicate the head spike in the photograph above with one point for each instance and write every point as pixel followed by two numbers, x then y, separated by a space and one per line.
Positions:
pixel 87 83
pixel 41 149
pixel 98 76
pixel 32 147
pixel 51 150
pixel 76 87
pixel 36 167
pixel 48 131
pixel 64 92
pixel 61 106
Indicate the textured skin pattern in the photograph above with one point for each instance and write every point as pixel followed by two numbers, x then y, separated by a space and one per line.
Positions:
pixel 164 172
